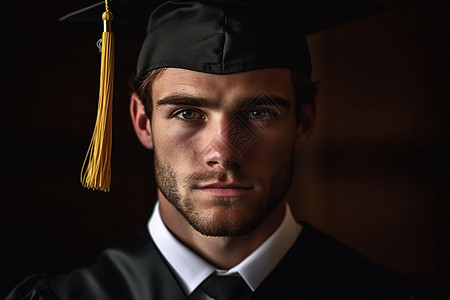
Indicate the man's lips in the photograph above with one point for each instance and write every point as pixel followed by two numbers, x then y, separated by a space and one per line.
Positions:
pixel 223 189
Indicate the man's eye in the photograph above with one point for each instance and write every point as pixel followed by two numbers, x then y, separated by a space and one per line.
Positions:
pixel 188 114
pixel 261 114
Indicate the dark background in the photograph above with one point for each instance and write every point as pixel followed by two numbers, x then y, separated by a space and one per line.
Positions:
pixel 375 174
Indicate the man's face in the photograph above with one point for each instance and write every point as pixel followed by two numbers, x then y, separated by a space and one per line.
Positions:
pixel 224 146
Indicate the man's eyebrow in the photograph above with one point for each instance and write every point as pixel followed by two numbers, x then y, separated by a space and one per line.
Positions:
pixel 265 100
pixel 184 100
pixel 240 104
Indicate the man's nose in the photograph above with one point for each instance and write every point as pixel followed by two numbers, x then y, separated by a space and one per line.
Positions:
pixel 228 142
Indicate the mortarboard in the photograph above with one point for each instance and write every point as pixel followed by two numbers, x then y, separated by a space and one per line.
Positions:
pixel 212 36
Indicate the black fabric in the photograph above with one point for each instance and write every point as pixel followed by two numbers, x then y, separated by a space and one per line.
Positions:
pixel 132 270
pixel 221 39
pixel 225 36
pixel 227 287
pixel 316 267
pixel 33 287
pixel 323 268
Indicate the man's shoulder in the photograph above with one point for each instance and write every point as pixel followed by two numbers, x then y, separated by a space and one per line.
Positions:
pixel 327 251
pixel 117 258
pixel 121 269
pixel 130 269
pixel 322 266
pixel 323 255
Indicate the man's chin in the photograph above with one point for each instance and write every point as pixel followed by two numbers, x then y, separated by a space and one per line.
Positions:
pixel 223 230
pixel 224 220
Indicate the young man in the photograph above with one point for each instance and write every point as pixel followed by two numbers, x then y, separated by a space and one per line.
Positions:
pixel 224 100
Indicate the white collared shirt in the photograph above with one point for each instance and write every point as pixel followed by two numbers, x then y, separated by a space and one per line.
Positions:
pixel 191 270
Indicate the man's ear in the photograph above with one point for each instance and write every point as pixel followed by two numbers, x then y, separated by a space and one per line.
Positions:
pixel 305 128
pixel 141 121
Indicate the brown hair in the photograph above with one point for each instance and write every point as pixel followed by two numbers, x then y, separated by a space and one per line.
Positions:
pixel 305 90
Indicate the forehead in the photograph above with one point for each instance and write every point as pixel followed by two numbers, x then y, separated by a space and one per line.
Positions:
pixel 276 82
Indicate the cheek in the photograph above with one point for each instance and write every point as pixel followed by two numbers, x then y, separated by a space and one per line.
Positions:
pixel 279 138
pixel 174 144
pixel 272 148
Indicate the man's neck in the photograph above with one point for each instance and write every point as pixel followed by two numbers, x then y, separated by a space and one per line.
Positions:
pixel 222 252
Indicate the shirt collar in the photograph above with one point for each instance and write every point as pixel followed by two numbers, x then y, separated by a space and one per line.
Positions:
pixel 191 270
pixel 255 267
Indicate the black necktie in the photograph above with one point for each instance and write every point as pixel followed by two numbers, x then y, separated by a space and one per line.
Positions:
pixel 230 287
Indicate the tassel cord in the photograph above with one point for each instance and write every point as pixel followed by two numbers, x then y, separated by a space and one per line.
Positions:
pixel 97 173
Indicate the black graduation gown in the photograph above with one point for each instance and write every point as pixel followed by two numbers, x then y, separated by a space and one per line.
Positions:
pixel 316 267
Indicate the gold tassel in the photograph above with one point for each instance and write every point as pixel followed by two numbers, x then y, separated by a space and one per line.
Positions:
pixel 97 174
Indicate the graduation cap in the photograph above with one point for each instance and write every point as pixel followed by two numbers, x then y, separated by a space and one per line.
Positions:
pixel 212 36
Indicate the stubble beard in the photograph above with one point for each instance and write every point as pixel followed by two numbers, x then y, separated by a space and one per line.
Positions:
pixel 168 185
